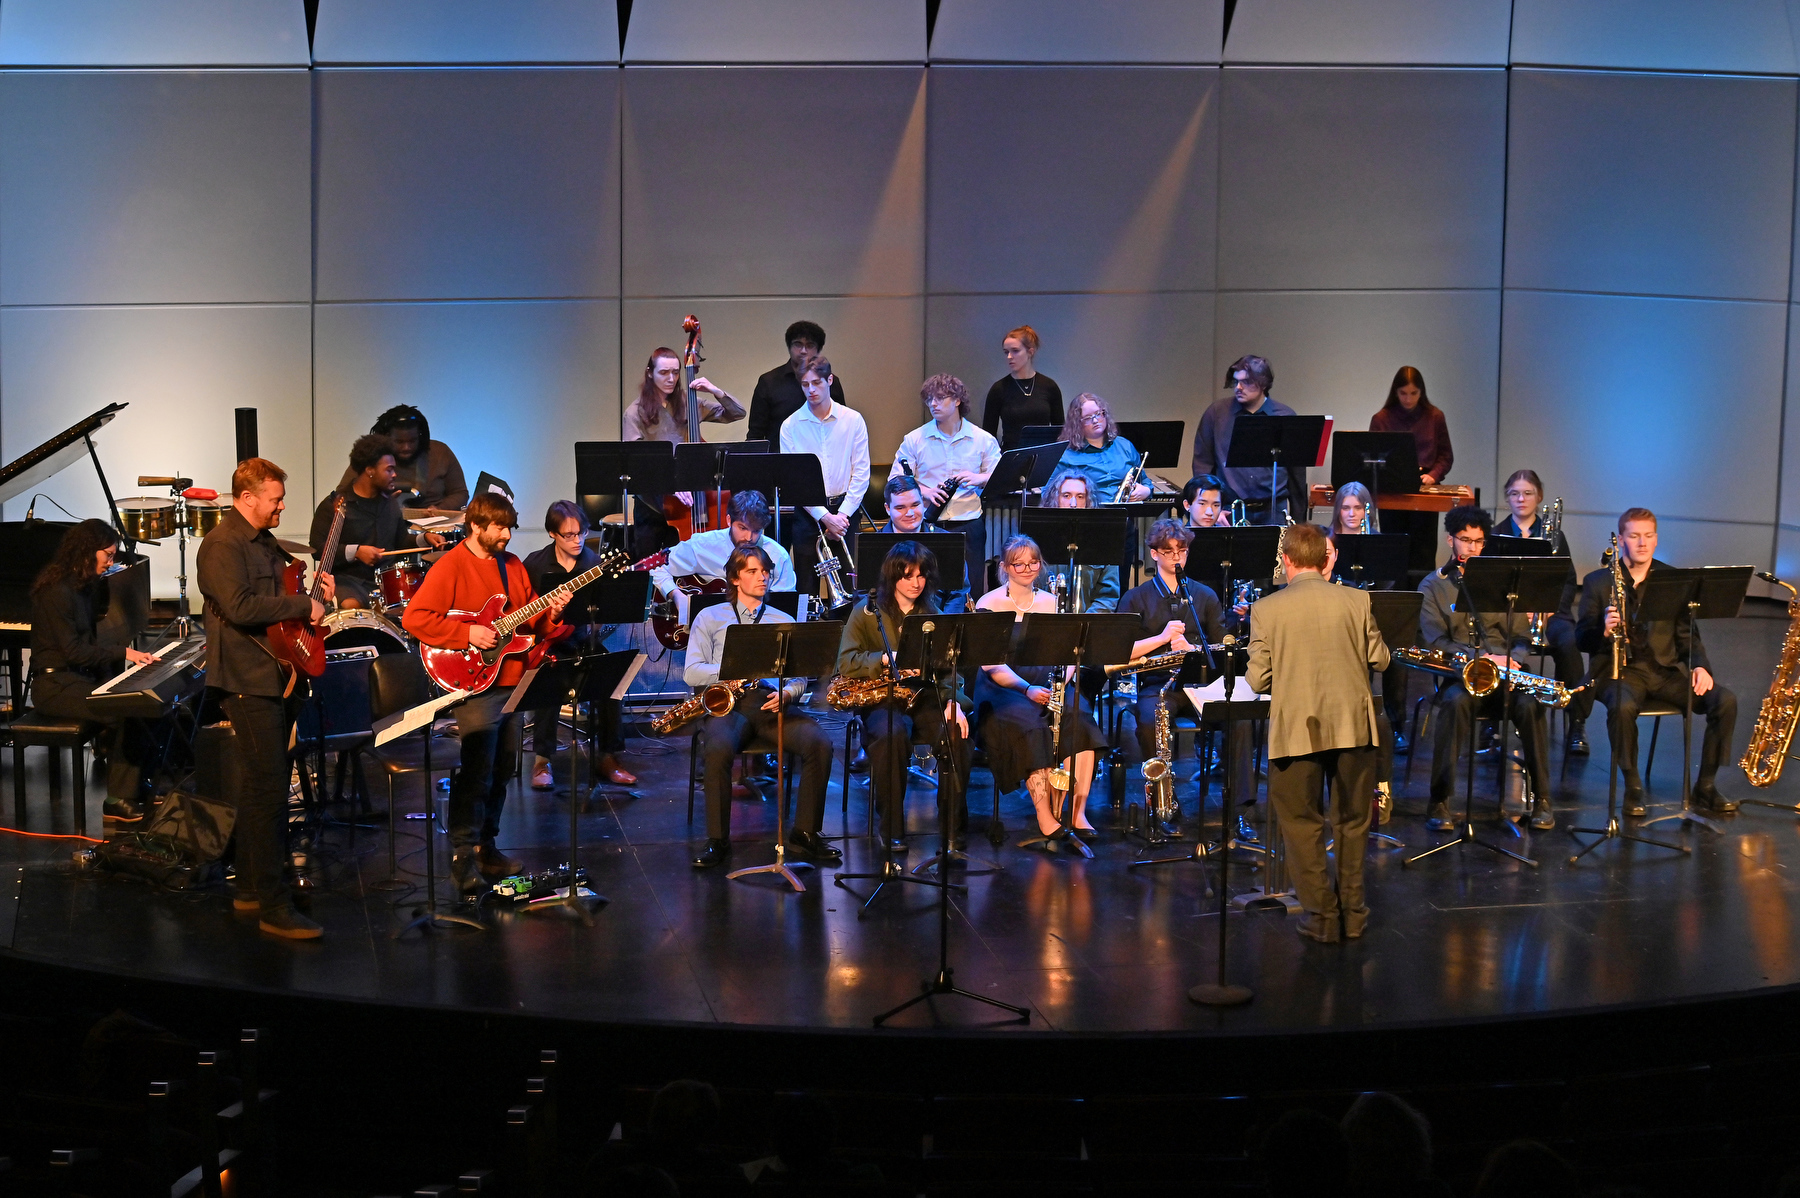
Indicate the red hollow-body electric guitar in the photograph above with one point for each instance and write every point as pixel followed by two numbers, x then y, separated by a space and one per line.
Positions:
pixel 474 670
pixel 300 644
pixel 665 614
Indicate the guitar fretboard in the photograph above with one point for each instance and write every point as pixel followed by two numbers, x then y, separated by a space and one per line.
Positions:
pixel 511 620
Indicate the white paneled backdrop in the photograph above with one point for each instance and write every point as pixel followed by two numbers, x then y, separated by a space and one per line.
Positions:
pixel 1577 217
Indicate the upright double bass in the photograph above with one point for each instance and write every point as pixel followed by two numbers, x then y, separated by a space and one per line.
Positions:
pixel 688 519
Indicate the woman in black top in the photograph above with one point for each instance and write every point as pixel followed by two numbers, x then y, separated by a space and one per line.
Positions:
pixel 68 601
pixel 1024 396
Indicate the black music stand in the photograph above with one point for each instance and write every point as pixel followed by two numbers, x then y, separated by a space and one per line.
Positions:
pixel 1219 557
pixel 1020 470
pixel 700 467
pixel 1161 439
pixel 590 677
pixel 1696 593
pixel 873 547
pixel 429 916
pixel 940 647
pixel 1076 536
pixel 1219 992
pixel 1397 615
pixel 617 599
pixel 1275 443
pixel 756 651
pixel 1499 546
pixel 486 484
pixel 1371 559
pixel 1033 435
pixel 799 474
pixel 1387 463
pixel 632 470
pixel 1071 640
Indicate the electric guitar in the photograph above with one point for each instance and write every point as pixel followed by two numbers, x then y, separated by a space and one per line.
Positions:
pixel 665 613
pixel 300 644
pixel 474 670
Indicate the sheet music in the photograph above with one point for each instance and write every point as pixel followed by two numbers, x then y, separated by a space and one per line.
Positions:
pixel 413 718
pixel 163 656
pixel 1214 692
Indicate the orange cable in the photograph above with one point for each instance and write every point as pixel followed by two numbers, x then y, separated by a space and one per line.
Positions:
pixel 48 835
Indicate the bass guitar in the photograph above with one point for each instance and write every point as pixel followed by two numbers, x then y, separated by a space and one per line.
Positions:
pixel 474 670
pixel 665 613
pixel 300 644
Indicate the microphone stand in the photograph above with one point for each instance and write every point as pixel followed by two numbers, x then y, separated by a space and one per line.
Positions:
pixel 1219 992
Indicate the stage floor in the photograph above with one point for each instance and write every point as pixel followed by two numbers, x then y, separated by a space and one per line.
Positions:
pixel 1088 946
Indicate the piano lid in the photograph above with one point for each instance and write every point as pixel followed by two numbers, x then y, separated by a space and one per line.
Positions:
pixel 27 471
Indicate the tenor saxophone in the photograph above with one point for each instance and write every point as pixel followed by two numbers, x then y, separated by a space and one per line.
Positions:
pixel 717 699
pixel 846 694
pixel 1773 735
pixel 1159 771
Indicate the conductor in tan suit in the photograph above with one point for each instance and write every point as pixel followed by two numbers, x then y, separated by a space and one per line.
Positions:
pixel 1312 645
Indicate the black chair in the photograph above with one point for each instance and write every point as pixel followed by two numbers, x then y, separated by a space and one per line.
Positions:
pixel 397 682
pixel 35 729
pixel 1652 711
pixel 757 745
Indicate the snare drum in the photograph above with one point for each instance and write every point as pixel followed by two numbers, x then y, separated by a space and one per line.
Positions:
pixel 147 518
pixel 203 515
pixel 352 626
pixel 399 582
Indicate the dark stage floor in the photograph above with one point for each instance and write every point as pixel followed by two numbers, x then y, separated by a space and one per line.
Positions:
pixel 1087 945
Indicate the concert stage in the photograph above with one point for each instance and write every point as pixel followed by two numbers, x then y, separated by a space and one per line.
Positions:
pixel 1093 949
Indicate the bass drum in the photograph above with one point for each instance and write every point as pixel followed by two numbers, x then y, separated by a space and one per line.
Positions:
pixel 349 627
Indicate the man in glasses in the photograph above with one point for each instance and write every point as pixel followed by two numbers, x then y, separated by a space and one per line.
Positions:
pixel 1250 378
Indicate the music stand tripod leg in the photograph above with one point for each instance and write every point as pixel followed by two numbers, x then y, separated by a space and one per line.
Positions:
pixel 891 870
pixel 429 917
pixel 780 865
pixel 572 900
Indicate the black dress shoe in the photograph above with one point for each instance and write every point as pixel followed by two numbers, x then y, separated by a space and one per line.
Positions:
pixel 1399 743
pixel 897 846
pixel 1634 801
pixel 1578 744
pixel 814 847
pixel 1706 797
pixel 859 764
pixel 121 811
pixel 1088 834
pixel 1542 818
pixel 465 873
pixel 714 852
pixel 1438 817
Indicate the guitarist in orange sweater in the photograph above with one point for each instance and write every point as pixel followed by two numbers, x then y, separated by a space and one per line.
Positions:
pixel 461 582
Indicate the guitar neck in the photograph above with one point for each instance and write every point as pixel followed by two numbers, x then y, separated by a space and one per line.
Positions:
pixel 328 556
pixel 505 625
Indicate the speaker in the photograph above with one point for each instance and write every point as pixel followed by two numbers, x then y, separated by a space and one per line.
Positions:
pixel 343 691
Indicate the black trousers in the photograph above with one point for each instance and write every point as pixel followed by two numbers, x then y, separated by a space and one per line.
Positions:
pixel 126 743
pixel 1297 790
pixel 806 549
pixel 889 734
pixel 1642 682
pixel 490 757
pixel 805 741
pixel 1570 668
pixel 546 722
pixel 260 726
pixel 1453 710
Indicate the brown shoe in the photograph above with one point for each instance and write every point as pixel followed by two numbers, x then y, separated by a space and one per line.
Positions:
pixel 1355 923
pixel 613 774
pixel 245 903
pixel 494 864
pixel 289 924
pixel 1323 928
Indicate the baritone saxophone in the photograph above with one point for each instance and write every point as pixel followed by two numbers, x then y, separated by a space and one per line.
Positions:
pixel 1773 735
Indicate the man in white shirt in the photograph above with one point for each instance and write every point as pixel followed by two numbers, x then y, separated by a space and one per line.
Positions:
pixel 753 716
pixel 949 447
pixel 704 554
pixel 839 437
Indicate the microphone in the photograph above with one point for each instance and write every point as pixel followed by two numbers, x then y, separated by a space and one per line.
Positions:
pixel 1228 641
pixel 928 627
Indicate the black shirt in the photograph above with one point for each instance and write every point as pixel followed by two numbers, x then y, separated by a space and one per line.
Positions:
pixel 1662 642
pixel 65 623
pixel 1009 407
pixel 240 575
pixel 546 574
pixel 778 396
pixel 377 521
pixel 1155 605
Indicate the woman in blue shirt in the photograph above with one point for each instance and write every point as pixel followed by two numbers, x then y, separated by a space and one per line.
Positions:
pixel 1096 450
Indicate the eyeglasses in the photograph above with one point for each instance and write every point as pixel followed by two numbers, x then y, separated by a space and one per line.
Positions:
pixel 1472 542
pixel 1027 564
pixel 569 536
pixel 1094 418
pixel 1521 494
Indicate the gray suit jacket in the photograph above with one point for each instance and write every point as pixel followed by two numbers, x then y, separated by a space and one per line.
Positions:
pixel 1312 644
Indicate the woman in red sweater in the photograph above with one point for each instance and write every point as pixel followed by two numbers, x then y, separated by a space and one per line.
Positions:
pixel 1409 410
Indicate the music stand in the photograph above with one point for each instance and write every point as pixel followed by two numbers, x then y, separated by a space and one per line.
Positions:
pixel 940 647
pixel 1020 470
pixel 1219 992
pixel 617 599
pixel 1161 439
pixel 872 549
pixel 488 484
pixel 1219 557
pixel 801 474
pixel 1371 559
pixel 1071 640
pixel 1388 463
pixel 1697 593
pixel 1042 434
pixel 757 651
pixel 1499 546
pixel 1274 442
pixel 700 467
pixel 1077 536
pixel 425 717
pixel 1397 616
pixel 630 469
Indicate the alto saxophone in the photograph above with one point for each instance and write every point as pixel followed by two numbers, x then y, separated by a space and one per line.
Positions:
pixel 1773 735
pixel 846 694
pixel 1159 771
pixel 717 699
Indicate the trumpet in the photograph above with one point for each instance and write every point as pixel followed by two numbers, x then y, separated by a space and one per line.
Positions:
pixel 717 699
pixel 1481 677
pixel 1131 479
pixel 832 567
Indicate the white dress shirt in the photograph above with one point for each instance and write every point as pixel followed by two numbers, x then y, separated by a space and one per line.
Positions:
pixel 841 443
pixel 705 554
pixel 971 452
pixel 706 642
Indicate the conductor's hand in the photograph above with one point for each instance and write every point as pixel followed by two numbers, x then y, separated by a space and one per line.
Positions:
pixel 1612 619
pixel 772 702
pixel 138 657
pixel 1703 680
pixel 368 555
pixel 557 600
pixel 835 524
pixel 482 637
pixel 1038 694
pixel 952 711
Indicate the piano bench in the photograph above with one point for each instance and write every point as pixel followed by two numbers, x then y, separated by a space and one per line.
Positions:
pixel 34 729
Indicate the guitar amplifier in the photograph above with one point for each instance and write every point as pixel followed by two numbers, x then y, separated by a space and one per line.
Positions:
pixel 342 691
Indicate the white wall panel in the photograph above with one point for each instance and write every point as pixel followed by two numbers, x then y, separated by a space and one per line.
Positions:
pixel 1136 31
pixel 1658 184
pixel 1679 542
pixel 1048 179
pixel 1376 32
pixel 1361 178
pixel 1335 354
pixel 182 371
pixel 163 186
pixel 872 342
pixel 426 31
pixel 509 386
pixel 1604 397
pixel 815 184
pixel 775 31
pixel 1098 343
pixel 1664 35
pixel 1787 554
pixel 153 33
pixel 467 184
pixel 1788 510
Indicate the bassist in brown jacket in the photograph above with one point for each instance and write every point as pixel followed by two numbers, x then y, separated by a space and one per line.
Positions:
pixel 240 568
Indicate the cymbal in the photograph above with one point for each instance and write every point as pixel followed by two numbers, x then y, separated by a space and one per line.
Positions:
pixel 294 547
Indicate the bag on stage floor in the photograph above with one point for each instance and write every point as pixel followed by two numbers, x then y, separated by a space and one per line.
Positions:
pixel 181 847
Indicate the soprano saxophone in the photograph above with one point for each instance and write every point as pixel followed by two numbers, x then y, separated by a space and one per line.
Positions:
pixel 1773 735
